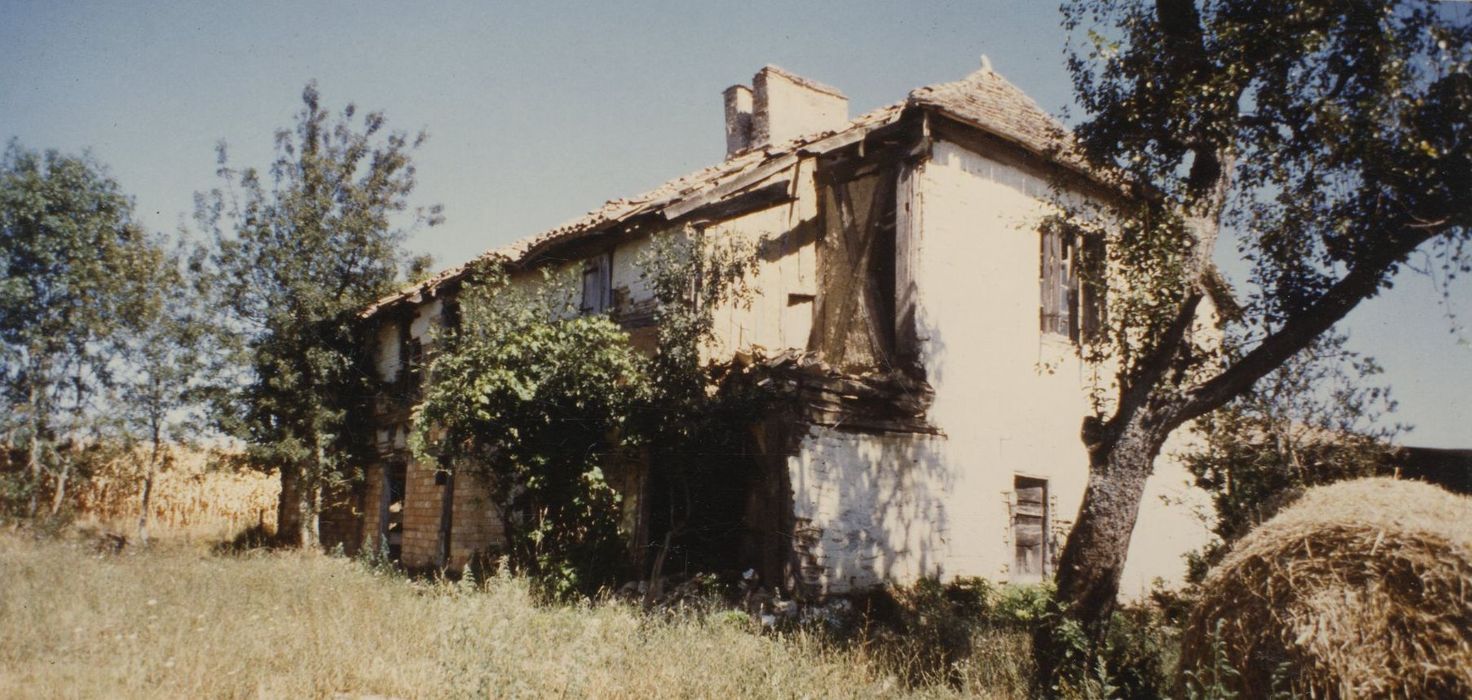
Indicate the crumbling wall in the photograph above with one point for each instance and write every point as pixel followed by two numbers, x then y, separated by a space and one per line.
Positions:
pixel 783 285
pixel 885 501
pixel 854 320
pixel 1011 397
pixel 423 503
pixel 869 508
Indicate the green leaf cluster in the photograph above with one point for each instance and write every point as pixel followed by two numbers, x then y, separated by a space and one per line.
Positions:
pixel 294 253
pixel 80 277
pixel 546 402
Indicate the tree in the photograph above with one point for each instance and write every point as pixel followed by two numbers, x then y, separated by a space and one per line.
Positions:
pixel 75 272
pixel 1330 137
pixel 540 400
pixel 164 355
pixel 1313 420
pixel 535 398
pixel 696 421
pixel 295 253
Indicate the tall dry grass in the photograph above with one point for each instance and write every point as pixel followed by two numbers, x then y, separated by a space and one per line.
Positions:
pixel 177 621
pixel 198 494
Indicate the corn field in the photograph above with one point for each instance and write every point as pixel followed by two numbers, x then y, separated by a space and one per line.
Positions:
pixel 193 490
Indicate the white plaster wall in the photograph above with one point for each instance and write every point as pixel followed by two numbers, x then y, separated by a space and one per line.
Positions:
pixel 771 318
pixel 386 351
pixel 627 274
pixel 1009 401
pixel 426 318
pixel 875 506
pixel 386 344
pixel 785 109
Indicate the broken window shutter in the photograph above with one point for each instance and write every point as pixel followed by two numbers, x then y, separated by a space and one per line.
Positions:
pixel 596 283
pixel 1029 526
pixel 1052 283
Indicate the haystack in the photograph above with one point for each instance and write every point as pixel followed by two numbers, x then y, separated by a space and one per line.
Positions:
pixel 1361 589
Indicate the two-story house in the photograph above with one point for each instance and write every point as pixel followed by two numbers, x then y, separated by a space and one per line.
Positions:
pixel 904 283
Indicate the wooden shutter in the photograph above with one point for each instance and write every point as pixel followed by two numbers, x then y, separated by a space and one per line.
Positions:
pixel 597 284
pixel 1063 300
pixel 1029 527
pixel 1054 294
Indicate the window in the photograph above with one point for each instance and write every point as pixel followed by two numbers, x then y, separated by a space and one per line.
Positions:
pixel 411 361
pixel 391 510
pixel 1030 528
pixel 1072 283
pixel 597 284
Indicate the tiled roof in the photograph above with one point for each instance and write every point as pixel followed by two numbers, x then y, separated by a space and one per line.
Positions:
pixel 983 99
pixel 987 101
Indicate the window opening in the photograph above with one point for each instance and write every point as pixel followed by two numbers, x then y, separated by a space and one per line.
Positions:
pixel 1029 528
pixel 597 284
pixel 391 510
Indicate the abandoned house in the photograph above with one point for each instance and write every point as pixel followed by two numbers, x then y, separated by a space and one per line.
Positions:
pixel 904 282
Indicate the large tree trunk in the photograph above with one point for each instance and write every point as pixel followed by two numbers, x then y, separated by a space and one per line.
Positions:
pixel 296 509
pixel 310 535
pixel 1093 559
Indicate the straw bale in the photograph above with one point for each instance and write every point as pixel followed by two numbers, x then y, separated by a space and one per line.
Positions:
pixel 1360 589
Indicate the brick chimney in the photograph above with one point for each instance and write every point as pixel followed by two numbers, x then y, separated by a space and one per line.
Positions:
pixel 738 119
pixel 780 106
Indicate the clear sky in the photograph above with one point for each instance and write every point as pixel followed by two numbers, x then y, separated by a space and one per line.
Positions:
pixel 540 111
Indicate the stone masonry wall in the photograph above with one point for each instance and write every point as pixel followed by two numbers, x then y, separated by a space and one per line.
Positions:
pixel 475 526
pixel 421 516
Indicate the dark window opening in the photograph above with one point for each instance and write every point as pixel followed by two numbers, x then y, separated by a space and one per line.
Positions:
pixel 391 510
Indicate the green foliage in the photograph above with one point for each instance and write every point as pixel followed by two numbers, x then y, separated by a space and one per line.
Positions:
pixel 1135 659
pixel 546 402
pixel 960 633
pixel 1327 138
pixel 1314 420
pixel 940 632
pixel 77 275
pixel 695 422
pixel 294 254
pixel 1217 680
pixel 537 398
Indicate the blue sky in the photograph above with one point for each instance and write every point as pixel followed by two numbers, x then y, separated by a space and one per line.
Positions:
pixel 538 112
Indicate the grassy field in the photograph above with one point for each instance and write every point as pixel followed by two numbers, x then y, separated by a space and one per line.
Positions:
pixel 177 620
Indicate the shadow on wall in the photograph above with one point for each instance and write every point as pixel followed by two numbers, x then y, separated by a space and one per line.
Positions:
pixel 869 508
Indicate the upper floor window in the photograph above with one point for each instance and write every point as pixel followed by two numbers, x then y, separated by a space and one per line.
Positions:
pixel 597 284
pixel 1072 283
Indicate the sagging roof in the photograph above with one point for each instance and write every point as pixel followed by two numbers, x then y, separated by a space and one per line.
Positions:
pixel 983 99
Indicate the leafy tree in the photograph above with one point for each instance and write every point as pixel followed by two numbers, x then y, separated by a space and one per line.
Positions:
pixel 1330 137
pixel 75 272
pixel 695 422
pixel 164 354
pixel 295 253
pixel 540 400
pixel 1311 421
pixel 536 398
